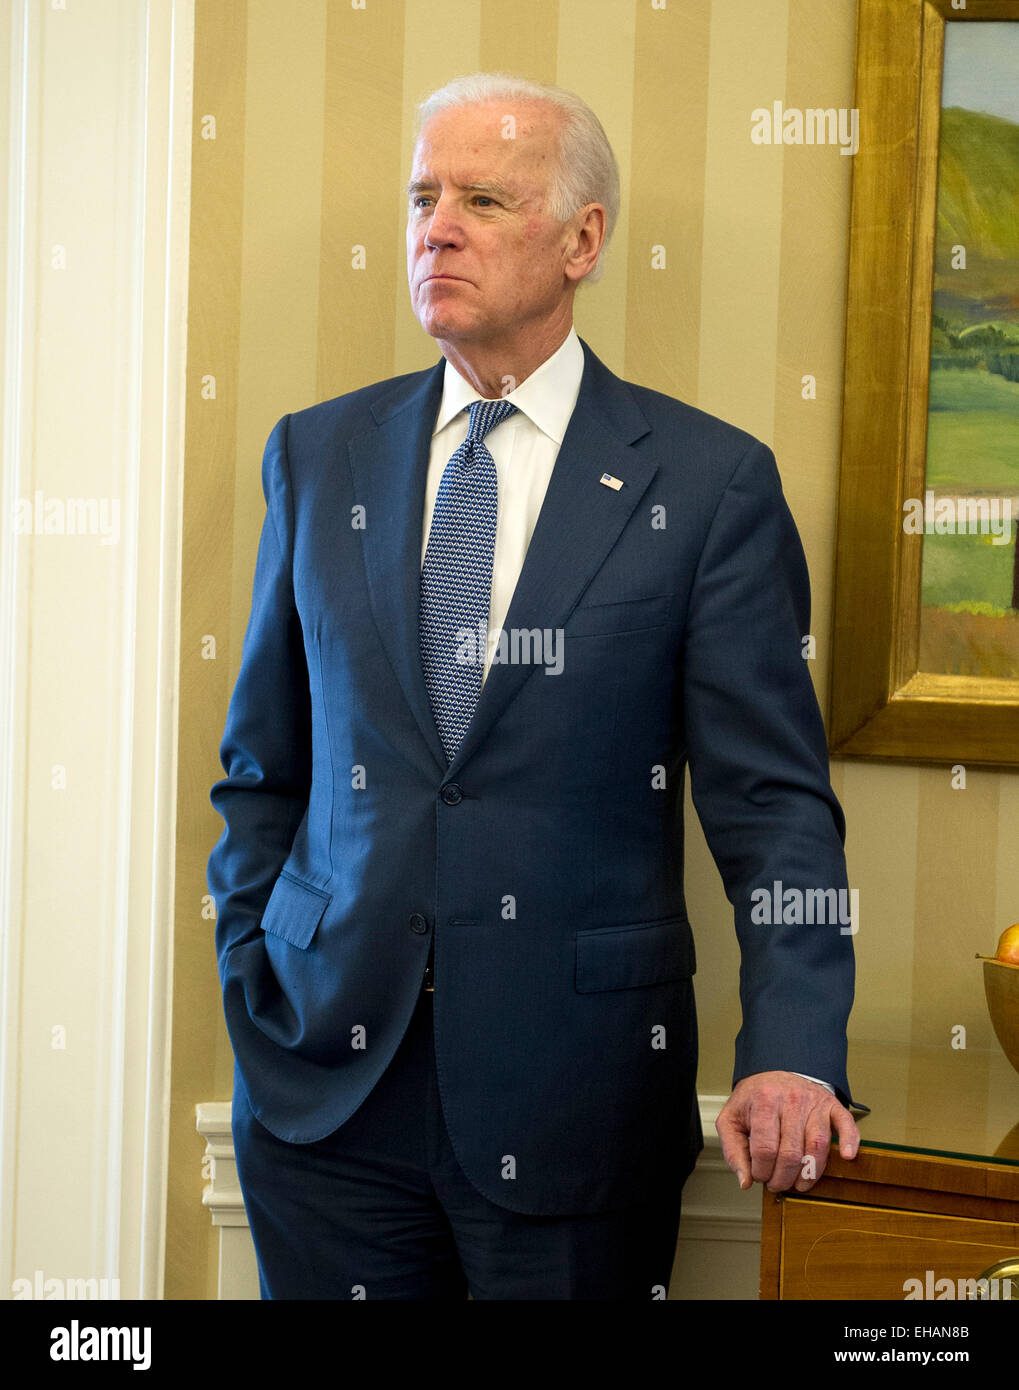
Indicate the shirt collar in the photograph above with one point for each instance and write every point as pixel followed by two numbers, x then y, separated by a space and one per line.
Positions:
pixel 547 397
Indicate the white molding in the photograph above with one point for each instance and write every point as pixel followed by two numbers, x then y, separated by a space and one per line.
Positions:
pixel 222 1193
pixel 710 1107
pixel 221 1197
pixel 718 1224
pixel 18 395
pixel 124 125
pixel 714 1207
pixel 170 66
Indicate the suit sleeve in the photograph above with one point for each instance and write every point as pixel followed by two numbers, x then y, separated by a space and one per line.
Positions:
pixel 266 745
pixel 759 779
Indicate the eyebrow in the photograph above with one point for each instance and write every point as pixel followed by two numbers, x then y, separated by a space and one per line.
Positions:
pixel 486 186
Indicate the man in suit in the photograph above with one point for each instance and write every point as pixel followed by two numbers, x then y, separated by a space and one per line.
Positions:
pixel 499 605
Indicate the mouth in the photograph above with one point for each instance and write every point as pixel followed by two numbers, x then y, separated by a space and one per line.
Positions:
pixel 457 278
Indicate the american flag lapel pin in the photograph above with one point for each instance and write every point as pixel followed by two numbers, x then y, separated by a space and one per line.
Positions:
pixel 609 481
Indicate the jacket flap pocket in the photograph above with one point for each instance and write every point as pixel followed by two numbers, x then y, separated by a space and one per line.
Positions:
pixel 632 615
pixel 294 911
pixel 644 953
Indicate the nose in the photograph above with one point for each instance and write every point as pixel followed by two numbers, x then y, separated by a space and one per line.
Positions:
pixel 441 229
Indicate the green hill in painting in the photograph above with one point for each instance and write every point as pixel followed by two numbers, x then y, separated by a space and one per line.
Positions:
pixel 970 610
pixel 978 208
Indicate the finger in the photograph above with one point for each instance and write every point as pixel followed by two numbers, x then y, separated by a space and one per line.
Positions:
pixel 765 1139
pixel 735 1149
pixel 816 1146
pixel 788 1161
pixel 845 1127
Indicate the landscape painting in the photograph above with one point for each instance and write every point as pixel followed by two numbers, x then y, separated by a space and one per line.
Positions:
pixel 969 616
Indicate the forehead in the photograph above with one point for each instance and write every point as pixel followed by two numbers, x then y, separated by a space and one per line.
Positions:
pixel 464 143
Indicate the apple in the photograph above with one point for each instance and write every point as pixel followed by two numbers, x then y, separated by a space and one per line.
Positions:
pixel 1008 948
pixel 1008 945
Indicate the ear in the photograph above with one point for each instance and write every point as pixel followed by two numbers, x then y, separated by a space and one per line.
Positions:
pixel 584 246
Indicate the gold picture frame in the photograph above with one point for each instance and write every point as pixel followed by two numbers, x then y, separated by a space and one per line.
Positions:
pixel 882 704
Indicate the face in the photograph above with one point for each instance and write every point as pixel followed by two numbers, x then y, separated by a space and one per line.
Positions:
pixel 485 263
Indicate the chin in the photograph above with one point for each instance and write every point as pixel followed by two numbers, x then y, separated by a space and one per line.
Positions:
pixel 438 328
pixel 441 326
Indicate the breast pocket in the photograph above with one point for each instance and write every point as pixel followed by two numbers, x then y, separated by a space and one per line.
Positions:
pixel 294 911
pixel 606 619
pixel 629 957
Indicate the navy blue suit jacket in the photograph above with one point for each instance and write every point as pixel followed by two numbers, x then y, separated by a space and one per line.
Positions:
pixel 545 862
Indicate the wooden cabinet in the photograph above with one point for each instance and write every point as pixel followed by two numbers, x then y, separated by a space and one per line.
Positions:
pixel 931 1202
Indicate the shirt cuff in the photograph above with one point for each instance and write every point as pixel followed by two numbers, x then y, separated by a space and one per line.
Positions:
pixel 815 1078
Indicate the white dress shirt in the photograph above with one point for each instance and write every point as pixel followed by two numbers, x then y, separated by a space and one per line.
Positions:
pixel 524 449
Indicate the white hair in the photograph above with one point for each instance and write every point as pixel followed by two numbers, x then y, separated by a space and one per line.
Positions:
pixel 586 169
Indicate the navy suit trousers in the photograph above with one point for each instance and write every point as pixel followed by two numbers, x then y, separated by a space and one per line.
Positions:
pixel 380 1209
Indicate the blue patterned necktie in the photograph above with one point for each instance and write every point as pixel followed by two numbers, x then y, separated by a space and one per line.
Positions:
pixel 456 577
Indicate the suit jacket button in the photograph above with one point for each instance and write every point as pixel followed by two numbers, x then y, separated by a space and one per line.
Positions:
pixel 452 795
pixel 418 923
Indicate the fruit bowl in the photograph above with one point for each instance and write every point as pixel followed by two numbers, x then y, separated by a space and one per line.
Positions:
pixel 1001 986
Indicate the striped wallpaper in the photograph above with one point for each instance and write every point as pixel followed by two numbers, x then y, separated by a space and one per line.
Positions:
pixel 313 109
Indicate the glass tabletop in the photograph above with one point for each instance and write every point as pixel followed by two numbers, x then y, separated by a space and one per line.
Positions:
pixel 937 1100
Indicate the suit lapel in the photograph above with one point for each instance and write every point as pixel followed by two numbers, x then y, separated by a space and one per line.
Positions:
pixel 579 522
pixel 390 469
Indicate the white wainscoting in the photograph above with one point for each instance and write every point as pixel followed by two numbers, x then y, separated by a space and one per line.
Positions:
pixel 718 1254
pixel 719 1250
pixel 238 1270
